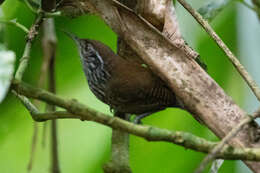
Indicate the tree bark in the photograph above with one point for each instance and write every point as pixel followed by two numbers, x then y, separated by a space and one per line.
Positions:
pixel 200 94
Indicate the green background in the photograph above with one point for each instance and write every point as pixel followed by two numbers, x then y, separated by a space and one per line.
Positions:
pixel 85 146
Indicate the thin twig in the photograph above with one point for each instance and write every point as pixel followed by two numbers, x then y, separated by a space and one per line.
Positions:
pixel 26 102
pixel 33 32
pixel 82 112
pixel 255 9
pixel 16 24
pixel 240 68
pixel 225 140
pixel 252 84
pixel 40 84
pixel 30 6
pixel 33 146
pixel 47 14
pixel 44 134
pixel 54 14
pixel 54 146
pixel 211 9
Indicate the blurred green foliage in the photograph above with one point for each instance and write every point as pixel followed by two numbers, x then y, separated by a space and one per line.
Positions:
pixel 85 146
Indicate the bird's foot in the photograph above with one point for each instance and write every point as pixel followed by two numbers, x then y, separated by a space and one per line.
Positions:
pixel 137 120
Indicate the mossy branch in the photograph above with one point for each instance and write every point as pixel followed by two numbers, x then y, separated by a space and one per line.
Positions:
pixel 77 110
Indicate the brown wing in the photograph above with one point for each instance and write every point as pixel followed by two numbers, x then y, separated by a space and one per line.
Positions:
pixel 138 90
pixel 133 88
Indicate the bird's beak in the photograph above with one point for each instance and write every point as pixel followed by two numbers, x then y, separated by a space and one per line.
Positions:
pixel 72 36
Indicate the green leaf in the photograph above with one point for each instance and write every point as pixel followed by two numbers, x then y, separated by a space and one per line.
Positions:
pixel 7 59
pixel 9 8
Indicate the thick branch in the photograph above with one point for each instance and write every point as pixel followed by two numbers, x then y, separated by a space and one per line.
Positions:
pixel 200 93
pixel 119 161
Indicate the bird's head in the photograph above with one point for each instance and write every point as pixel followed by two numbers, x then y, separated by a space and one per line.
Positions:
pixel 85 46
pixel 89 55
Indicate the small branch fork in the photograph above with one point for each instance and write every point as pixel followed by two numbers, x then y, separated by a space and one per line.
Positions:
pixel 77 110
pixel 31 35
pixel 225 140
pixel 33 32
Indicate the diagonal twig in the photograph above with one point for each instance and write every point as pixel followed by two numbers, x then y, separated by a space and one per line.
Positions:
pixel 211 9
pixel 240 68
pixel 33 32
pixel 16 24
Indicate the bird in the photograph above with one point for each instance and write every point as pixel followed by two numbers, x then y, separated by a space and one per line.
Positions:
pixel 127 87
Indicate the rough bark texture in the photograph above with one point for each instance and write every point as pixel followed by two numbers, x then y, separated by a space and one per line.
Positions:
pixel 119 161
pixel 200 94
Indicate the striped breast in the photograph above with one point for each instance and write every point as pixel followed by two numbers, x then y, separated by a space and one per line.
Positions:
pixel 94 69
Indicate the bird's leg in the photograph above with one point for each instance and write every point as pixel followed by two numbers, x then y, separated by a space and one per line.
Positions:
pixel 128 117
pixel 138 118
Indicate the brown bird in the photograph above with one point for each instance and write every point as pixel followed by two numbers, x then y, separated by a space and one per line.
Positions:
pixel 127 87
